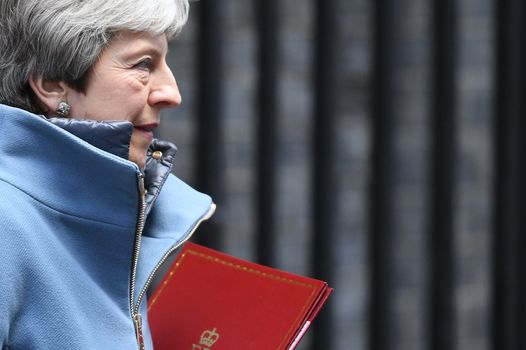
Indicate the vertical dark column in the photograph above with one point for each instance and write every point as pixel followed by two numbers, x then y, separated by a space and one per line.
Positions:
pixel 267 26
pixel 209 127
pixel 381 185
pixel 442 176
pixel 324 193
pixel 509 274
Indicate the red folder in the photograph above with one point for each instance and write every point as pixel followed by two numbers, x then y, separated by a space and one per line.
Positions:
pixel 210 300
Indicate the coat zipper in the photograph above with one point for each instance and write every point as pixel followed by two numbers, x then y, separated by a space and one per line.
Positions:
pixel 136 316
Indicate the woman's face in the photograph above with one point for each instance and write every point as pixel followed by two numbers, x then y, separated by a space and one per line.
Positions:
pixel 130 81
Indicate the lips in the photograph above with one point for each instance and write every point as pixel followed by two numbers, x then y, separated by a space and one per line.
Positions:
pixel 146 129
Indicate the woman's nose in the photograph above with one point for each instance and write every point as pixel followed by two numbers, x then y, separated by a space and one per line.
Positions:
pixel 165 92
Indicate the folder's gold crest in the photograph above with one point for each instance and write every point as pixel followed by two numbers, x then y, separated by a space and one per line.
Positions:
pixel 208 338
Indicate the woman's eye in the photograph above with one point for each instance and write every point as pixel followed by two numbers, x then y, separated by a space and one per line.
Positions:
pixel 144 64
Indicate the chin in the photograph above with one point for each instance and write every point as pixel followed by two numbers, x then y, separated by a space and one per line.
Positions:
pixel 140 161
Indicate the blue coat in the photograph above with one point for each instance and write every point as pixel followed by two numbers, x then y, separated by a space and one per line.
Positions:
pixel 72 246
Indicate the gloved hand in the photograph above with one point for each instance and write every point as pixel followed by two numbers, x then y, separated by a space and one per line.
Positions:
pixel 159 163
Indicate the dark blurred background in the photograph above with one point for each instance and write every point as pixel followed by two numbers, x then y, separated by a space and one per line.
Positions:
pixel 372 144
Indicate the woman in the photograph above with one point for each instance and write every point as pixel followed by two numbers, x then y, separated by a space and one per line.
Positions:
pixel 89 210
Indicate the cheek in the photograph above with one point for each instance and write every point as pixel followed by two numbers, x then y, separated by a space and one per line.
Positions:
pixel 122 98
pixel 132 90
pixel 133 82
pixel 114 95
pixel 123 87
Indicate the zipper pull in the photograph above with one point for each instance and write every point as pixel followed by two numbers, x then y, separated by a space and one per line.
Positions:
pixel 142 187
pixel 137 322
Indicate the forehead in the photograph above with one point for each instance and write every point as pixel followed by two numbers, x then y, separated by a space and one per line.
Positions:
pixel 131 43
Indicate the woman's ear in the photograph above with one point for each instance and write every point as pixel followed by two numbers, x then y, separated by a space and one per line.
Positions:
pixel 49 93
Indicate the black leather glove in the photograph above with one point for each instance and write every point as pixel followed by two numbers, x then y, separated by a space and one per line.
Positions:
pixel 159 163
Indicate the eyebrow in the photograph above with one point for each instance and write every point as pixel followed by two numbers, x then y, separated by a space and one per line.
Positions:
pixel 133 53
pixel 144 48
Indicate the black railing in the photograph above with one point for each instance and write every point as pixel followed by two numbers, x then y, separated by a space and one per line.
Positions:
pixel 210 158
pixel 323 164
pixel 509 206
pixel 443 135
pixel 379 216
pixel 266 12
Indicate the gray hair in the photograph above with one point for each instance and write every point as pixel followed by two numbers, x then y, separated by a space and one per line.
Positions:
pixel 60 40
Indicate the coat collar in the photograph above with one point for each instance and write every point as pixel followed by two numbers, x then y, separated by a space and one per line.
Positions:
pixel 114 137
